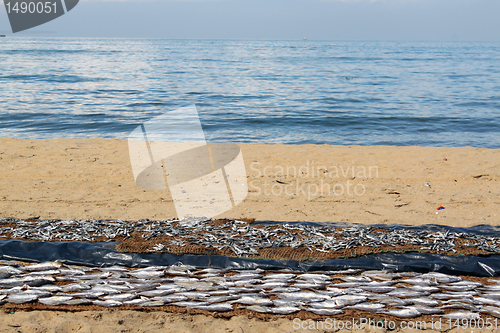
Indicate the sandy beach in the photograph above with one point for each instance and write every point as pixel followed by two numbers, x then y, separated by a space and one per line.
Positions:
pixel 92 178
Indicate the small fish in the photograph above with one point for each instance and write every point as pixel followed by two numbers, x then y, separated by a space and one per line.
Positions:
pixel 55 300
pixel 306 296
pixel 107 303
pixel 249 300
pixel 458 287
pixel 441 278
pixel 284 290
pixel 448 296
pixel 328 304
pixel 257 308
pixel 425 301
pixel 465 315
pixel 157 292
pixel 404 292
pixel 279 276
pixel 402 313
pixel 421 281
pixel 219 307
pixel 170 298
pixel 284 303
pixel 22 298
pixel 44 266
pixel 485 300
pixel 78 301
pixel 220 299
pixel 196 295
pixel 362 279
pixel 136 301
pixel 390 300
pixel 121 297
pixel 378 290
pixel 189 304
pixel 152 303
pixel 425 310
pixel 325 312
pixel 49 272
pixel 285 309
pixel 427 289
pixel 150 274
pixel 349 299
pixel 460 305
pixel 88 294
pixel 312 276
pixel 239 277
pixel 366 306
pixel 104 289
pixel 48 288
pixel 491 310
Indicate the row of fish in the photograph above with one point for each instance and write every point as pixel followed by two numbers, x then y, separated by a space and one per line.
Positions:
pixel 242 238
pixel 400 294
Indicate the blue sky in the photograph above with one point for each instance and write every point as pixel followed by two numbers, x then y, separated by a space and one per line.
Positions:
pixel 474 20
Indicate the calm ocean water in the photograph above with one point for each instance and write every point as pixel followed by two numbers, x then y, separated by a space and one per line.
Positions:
pixel 368 93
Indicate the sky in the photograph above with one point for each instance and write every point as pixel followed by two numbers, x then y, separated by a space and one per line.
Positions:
pixel 441 20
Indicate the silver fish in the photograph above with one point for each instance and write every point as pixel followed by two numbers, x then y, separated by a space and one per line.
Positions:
pixel 403 292
pixel 285 309
pixel 425 301
pixel 157 292
pixel 370 307
pixel 349 299
pixel 170 298
pixel 279 276
pixel 491 310
pixel 219 307
pixel 325 312
pixel 249 300
pixel 257 308
pixel 466 315
pixel 78 301
pixel 150 274
pixel 136 301
pixel 107 303
pixel 22 298
pixel 87 294
pixel 402 313
pixel 54 300
pixel 44 266
pixel 425 310
pixel 189 304
pixel 104 289
pixel 121 297
pixel 378 290
pixel 460 305
pixel 328 304
pixel 306 296
pixel 152 303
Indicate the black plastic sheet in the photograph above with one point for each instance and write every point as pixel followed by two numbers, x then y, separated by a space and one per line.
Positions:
pixel 101 254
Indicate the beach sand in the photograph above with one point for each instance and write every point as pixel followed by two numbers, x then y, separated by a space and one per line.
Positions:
pixel 92 178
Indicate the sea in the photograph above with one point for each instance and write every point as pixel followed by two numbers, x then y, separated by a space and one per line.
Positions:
pixel 255 91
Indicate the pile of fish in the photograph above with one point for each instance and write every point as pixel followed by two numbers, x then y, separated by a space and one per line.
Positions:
pixel 404 295
pixel 242 238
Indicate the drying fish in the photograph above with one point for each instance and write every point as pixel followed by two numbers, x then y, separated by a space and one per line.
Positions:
pixel 402 313
pixel 257 308
pixel 251 300
pixel 78 301
pixel 22 298
pixel 425 301
pixel 107 303
pixel 370 307
pixel 491 310
pixel 55 300
pixel 305 296
pixel 45 266
pixel 219 307
pixel 465 315
pixel 325 312
pixel 284 310
pixel 425 310
pixel 121 297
